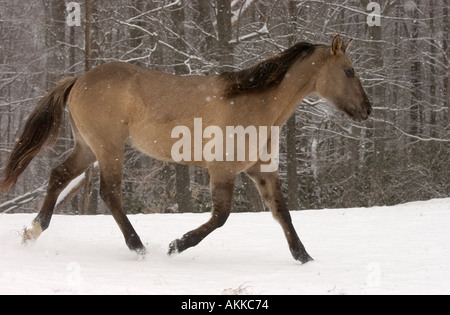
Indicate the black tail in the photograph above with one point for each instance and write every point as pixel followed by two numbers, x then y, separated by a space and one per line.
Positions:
pixel 41 129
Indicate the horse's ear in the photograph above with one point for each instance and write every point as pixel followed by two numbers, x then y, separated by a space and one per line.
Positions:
pixel 345 47
pixel 337 45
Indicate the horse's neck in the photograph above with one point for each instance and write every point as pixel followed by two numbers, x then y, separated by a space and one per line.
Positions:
pixel 298 83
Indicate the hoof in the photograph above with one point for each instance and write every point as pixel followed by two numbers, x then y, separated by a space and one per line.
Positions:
pixel 134 244
pixel 31 235
pixel 141 253
pixel 306 259
pixel 173 248
pixel 302 257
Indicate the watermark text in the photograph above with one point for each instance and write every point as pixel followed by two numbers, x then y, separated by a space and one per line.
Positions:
pixel 74 14
pixel 232 144
pixel 374 17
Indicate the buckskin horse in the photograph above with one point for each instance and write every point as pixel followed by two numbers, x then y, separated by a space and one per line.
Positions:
pixel 117 101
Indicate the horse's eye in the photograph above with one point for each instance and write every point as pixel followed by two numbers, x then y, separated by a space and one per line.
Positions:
pixel 350 73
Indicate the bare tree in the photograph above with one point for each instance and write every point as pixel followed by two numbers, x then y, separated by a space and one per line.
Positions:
pixel 401 154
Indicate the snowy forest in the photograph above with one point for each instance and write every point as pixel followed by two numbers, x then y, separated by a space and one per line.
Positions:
pixel 326 160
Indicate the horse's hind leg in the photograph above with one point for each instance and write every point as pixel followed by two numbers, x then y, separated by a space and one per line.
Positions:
pixel 111 168
pixel 222 194
pixel 270 189
pixel 78 162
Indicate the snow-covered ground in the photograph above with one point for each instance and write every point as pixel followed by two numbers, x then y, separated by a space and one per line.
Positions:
pixel 385 250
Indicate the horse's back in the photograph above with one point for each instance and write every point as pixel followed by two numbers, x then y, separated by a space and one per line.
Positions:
pixel 117 100
pixel 126 84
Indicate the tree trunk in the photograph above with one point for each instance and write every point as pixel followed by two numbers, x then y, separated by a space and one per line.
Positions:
pixel 183 179
pixel 224 33
pixel 183 195
pixel 416 97
pixel 446 60
pixel 206 24
pixel 433 69
pixel 377 96
pixel 87 38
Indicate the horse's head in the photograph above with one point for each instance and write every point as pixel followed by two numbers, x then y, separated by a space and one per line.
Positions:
pixel 338 83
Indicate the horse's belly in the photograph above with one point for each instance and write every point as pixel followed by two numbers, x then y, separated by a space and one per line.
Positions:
pixel 149 139
pixel 152 146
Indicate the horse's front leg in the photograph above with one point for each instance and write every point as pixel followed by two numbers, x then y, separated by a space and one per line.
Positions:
pixel 222 195
pixel 270 189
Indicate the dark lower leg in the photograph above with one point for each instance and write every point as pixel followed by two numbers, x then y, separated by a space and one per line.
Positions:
pixel 78 162
pixel 222 195
pixel 111 193
pixel 296 247
pixel 270 189
pixel 59 180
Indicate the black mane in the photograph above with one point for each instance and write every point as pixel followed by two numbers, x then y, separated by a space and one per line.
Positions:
pixel 267 74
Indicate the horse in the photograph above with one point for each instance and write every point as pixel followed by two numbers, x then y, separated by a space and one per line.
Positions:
pixel 118 102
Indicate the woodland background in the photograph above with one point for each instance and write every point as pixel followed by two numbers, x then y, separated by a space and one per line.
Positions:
pixel 401 154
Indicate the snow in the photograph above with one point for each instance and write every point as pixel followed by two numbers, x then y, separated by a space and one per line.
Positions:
pixel 403 249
